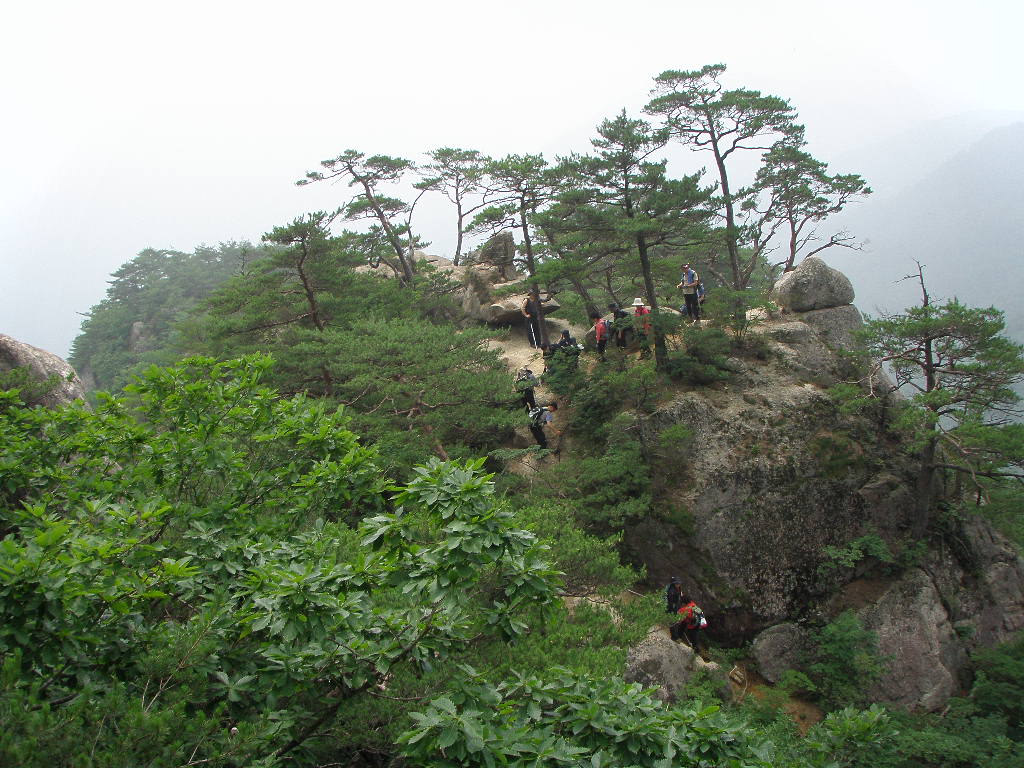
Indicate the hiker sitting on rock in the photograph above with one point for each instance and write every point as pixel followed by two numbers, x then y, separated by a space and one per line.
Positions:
pixel 568 350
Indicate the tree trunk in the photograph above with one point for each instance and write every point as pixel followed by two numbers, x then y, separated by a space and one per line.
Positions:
pixel 531 267
pixel 588 301
pixel 660 350
pixel 408 268
pixel 314 313
pixel 925 490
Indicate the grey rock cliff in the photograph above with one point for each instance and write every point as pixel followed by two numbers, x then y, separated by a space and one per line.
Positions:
pixel 923 656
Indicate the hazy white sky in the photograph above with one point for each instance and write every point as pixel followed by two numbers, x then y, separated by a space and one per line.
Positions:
pixel 135 124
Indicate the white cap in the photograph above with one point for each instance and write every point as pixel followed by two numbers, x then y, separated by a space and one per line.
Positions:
pixel 638 302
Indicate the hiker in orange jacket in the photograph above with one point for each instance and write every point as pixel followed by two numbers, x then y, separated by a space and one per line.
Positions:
pixel 691 624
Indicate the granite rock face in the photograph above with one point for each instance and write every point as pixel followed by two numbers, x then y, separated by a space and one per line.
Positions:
pixel 42 366
pixel 772 477
pixel 924 658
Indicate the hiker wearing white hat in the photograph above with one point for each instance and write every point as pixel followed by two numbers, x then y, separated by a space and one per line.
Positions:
pixel 641 327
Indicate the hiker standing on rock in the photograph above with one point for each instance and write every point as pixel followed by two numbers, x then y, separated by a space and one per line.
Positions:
pixel 619 324
pixel 691 624
pixel 641 325
pixel 524 383
pixel 689 282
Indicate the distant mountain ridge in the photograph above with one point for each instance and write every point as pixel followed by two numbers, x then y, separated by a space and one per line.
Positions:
pixel 962 220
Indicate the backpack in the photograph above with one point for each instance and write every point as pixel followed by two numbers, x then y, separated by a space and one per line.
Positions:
pixel 697 619
pixel 537 416
pixel 525 380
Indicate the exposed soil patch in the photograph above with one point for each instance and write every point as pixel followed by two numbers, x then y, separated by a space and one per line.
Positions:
pixel 749 683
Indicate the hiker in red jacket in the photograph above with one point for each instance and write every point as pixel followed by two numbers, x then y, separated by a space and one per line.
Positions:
pixel 602 332
pixel 691 624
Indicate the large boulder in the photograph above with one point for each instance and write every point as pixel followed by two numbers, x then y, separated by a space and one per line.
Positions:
pixel 658 661
pixel 508 310
pixel 812 285
pixel 778 649
pixel 42 366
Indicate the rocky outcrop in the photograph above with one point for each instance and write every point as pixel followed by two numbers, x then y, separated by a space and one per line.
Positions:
pixel 658 661
pixel 137 339
pixel 772 475
pixel 981 582
pixel 43 367
pixel 812 285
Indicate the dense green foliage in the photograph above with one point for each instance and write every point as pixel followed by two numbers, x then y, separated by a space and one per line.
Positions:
pixel 185 557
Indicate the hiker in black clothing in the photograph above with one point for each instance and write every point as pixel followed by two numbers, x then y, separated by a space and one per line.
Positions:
pixel 620 324
pixel 566 341
pixel 568 350
pixel 540 418
pixel 674 596
pixel 531 311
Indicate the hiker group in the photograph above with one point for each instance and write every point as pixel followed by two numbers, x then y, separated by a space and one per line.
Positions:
pixel 691 622
pixel 621 327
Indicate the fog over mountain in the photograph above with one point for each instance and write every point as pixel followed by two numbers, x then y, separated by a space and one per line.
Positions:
pixel 961 218
pixel 136 125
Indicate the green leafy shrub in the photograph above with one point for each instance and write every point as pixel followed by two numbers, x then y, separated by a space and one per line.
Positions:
pixel 565 720
pixel 30 390
pixel 705 358
pixel 193 558
pixel 869 545
pixel 844 662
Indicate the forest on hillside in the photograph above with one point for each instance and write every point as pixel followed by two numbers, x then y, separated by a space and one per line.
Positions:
pixel 288 532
